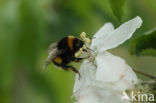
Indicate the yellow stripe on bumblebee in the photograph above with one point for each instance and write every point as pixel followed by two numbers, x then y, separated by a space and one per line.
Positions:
pixel 70 41
pixel 58 60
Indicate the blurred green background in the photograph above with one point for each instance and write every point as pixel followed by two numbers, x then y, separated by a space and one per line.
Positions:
pixel 27 27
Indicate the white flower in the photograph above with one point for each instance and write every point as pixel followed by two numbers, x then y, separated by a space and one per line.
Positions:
pixel 105 78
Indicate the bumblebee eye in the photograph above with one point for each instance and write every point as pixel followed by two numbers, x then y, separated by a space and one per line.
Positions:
pixel 77 44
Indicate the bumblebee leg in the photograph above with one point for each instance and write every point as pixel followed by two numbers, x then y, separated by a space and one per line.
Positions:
pixel 73 69
pixel 79 59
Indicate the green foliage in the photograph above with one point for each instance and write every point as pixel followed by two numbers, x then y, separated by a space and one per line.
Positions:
pixel 21 34
pixel 117 8
pixel 148 52
pixel 144 45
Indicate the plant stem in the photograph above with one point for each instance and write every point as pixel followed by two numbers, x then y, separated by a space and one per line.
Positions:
pixel 145 74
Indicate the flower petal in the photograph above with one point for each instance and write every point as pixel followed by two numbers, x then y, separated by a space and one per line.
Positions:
pixel 111 68
pixel 99 92
pixel 120 35
pixel 101 35
pixel 87 71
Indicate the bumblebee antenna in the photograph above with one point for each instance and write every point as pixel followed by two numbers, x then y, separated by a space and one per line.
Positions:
pixel 90 49
pixel 92 38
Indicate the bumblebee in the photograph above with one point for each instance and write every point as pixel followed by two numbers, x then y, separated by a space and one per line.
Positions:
pixel 67 50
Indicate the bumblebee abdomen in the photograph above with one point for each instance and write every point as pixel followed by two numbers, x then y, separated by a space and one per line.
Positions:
pixel 64 58
pixel 58 60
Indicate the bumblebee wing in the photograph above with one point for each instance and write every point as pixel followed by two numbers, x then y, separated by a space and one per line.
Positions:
pixel 52 54
pixel 52 46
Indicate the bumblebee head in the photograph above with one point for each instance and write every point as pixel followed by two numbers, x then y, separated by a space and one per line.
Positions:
pixel 83 45
pixel 78 43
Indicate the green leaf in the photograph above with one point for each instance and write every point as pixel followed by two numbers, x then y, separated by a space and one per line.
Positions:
pixel 148 52
pixel 117 8
pixel 144 45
